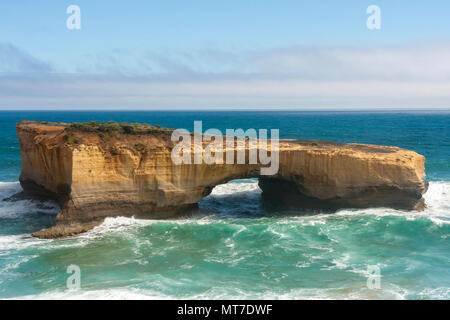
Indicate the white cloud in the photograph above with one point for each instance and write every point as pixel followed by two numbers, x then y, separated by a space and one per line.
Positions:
pixel 394 63
pixel 304 77
pixel 14 60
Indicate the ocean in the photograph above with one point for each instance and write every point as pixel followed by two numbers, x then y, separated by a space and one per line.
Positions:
pixel 235 248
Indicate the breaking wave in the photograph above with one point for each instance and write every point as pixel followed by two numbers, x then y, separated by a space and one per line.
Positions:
pixel 233 249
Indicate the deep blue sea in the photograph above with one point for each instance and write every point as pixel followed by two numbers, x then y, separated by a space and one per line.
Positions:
pixel 233 248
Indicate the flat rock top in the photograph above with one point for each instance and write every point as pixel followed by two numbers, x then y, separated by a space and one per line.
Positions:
pixel 54 129
pixel 40 127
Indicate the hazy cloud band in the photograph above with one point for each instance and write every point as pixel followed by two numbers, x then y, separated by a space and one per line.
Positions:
pixel 327 77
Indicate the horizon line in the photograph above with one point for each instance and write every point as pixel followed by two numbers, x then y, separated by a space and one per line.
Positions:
pixel 221 109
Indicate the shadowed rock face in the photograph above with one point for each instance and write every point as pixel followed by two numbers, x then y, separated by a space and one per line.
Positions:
pixel 94 175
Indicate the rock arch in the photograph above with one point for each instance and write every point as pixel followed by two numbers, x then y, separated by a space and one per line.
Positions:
pixel 133 175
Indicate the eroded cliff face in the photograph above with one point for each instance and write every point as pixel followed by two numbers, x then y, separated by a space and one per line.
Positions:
pixel 94 176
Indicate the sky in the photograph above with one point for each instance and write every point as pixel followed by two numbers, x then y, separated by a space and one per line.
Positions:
pixel 233 54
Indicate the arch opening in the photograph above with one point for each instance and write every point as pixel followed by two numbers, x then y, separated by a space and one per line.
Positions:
pixel 235 198
pixel 260 197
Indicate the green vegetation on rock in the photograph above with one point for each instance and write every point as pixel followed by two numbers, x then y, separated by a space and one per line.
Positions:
pixel 110 128
pixel 70 139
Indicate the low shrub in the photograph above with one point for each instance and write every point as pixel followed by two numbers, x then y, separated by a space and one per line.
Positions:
pixel 110 128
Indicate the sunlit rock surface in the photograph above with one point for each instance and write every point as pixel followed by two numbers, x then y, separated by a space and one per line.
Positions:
pixel 94 175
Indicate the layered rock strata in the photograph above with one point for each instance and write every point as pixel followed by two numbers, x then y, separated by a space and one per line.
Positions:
pixel 127 172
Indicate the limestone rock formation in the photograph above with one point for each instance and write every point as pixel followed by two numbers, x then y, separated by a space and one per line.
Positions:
pixel 95 174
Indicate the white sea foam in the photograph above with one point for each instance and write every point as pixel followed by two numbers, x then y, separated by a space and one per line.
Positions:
pixel 17 208
pixel 341 262
pixel 106 294
pixel 17 242
pixel 9 188
pixel 438 211
pixel 236 187
pixel 388 291
pixel 437 200
pixel 442 293
pixel 14 265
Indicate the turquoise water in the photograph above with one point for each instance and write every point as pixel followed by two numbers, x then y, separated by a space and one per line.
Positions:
pixel 234 247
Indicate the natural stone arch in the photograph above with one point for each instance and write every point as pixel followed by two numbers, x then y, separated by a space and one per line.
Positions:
pixel 132 174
